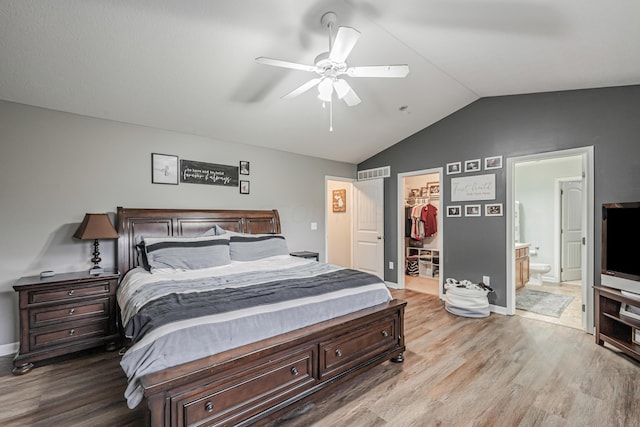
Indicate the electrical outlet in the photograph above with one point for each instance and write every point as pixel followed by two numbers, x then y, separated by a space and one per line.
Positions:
pixel 486 280
pixel 314 225
pixel 390 265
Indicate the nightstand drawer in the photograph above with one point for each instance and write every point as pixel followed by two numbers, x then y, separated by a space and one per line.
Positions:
pixel 54 314
pixel 69 291
pixel 45 337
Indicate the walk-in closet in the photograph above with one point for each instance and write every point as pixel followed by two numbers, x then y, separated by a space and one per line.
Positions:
pixel 421 248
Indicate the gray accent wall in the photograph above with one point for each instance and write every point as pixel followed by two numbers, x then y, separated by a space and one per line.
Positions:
pixel 55 167
pixel 607 119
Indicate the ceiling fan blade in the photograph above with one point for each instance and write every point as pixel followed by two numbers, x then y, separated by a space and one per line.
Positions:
pixel 302 89
pixel 343 44
pixel 346 93
pixel 284 64
pixel 394 71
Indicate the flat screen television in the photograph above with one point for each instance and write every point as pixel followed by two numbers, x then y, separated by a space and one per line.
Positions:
pixel 620 237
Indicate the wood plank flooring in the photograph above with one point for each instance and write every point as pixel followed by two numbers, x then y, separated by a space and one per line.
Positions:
pixel 497 371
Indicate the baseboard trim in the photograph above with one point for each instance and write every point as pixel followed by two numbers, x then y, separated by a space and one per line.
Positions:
pixel 392 285
pixel 7 349
pixel 498 309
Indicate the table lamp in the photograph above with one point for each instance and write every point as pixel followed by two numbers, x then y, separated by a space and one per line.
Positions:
pixel 96 226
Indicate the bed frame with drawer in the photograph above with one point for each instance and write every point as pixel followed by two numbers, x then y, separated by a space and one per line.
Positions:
pixel 258 382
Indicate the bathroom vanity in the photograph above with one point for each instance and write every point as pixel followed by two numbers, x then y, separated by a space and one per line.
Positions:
pixel 522 264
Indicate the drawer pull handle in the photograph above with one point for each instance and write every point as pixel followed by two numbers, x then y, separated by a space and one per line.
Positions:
pixel 294 371
pixel 208 407
pixel 72 332
pixel 385 334
pixel 71 311
pixel 338 353
pixel 70 293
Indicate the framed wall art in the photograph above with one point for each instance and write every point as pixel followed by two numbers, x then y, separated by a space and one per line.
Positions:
pixel 164 169
pixel 244 187
pixel 433 189
pixel 472 165
pixel 454 211
pixel 339 200
pixel 476 187
pixel 472 210
pixel 493 209
pixel 194 172
pixel 244 168
pixel 453 168
pixel 494 162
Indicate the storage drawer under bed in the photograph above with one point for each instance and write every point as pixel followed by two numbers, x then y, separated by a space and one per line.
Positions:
pixel 247 392
pixel 344 352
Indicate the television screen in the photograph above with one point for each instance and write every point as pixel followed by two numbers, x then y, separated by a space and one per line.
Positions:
pixel 620 231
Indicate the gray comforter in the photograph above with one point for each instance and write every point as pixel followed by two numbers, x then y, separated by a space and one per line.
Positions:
pixel 178 317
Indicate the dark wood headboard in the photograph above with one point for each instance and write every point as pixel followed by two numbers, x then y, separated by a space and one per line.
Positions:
pixel 132 224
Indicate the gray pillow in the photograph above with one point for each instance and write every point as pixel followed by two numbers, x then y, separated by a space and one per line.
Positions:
pixel 186 253
pixel 250 247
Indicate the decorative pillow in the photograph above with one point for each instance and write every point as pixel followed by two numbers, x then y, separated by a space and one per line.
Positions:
pixel 142 256
pixel 250 247
pixel 186 253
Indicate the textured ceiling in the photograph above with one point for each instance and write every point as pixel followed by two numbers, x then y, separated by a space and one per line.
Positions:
pixel 188 66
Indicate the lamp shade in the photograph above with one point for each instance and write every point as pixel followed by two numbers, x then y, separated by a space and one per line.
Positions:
pixel 96 226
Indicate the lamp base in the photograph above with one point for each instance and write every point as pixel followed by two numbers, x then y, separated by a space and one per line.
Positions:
pixel 96 270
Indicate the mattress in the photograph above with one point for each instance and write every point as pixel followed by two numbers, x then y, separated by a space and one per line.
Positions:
pixel 173 316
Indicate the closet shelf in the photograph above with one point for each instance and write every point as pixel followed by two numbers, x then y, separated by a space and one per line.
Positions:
pixel 428 260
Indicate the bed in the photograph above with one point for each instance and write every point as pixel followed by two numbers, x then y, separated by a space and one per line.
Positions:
pixel 264 372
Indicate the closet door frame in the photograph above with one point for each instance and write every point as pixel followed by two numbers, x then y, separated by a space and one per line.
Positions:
pixel 401 255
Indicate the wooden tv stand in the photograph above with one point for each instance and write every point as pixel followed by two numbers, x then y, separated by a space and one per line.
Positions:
pixel 613 328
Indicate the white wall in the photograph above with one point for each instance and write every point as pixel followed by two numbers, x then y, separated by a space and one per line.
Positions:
pixel 55 167
pixel 535 190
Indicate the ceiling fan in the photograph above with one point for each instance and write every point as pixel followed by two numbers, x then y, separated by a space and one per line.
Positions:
pixel 331 66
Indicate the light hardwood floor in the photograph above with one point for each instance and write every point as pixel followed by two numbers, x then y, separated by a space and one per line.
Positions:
pixel 496 371
pixel 422 284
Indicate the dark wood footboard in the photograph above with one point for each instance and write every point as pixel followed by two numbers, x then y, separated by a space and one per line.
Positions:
pixel 258 382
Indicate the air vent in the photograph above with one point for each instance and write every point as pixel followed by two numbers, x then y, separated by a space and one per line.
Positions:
pixel 383 172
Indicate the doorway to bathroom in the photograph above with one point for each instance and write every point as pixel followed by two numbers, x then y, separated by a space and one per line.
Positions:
pixel 550 237
pixel 420 231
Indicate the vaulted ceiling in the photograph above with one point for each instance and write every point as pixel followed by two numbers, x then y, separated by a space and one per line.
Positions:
pixel 189 66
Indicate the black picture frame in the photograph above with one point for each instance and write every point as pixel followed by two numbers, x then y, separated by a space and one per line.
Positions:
pixel 244 168
pixel 164 169
pixel 245 187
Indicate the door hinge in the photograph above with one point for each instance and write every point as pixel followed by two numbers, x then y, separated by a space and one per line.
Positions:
pixel 584 241
pixel 583 308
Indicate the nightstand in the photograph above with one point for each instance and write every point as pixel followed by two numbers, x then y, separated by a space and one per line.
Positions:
pixel 306 254
pixel 63 314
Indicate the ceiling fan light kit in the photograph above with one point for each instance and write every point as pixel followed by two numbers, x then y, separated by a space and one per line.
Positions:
pixel 331 65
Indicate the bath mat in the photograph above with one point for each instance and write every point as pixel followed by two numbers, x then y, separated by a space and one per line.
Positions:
pixel 544 303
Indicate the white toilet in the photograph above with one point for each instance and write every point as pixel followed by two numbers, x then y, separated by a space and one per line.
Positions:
pixel 536 271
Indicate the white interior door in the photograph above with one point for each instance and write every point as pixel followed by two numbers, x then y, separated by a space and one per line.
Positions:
pixel 571 231
pixel 368 230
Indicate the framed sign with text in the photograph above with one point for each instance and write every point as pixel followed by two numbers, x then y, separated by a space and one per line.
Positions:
pixel 477 187
pixel 208 173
